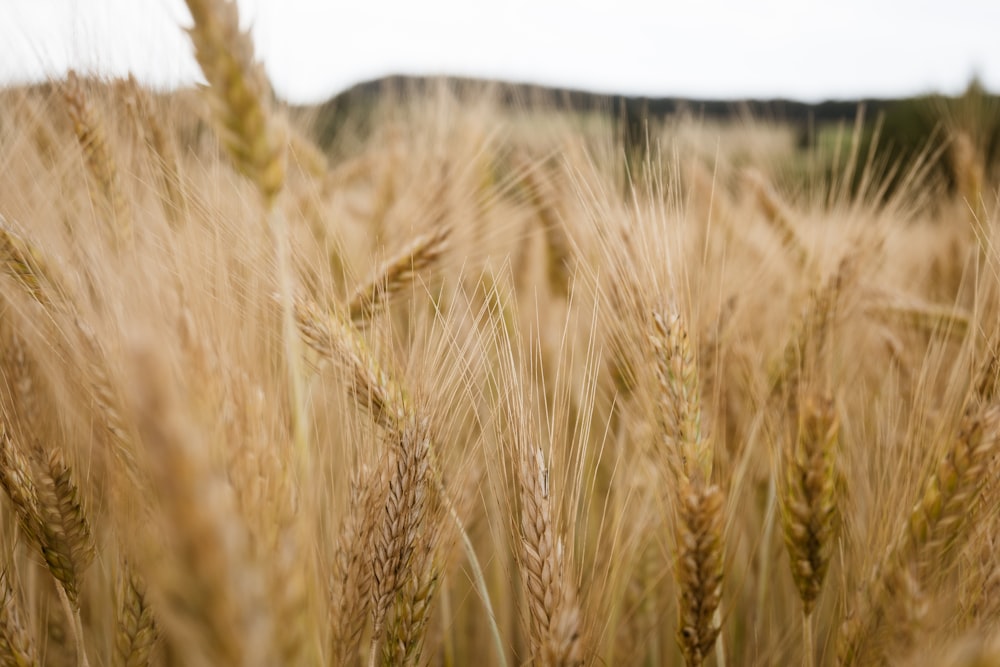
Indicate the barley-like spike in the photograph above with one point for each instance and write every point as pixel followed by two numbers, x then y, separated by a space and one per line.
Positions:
pixel 335 339
pixel 402 521
pixel 90 134
pixel 553 612
pixel 557 243
pixel 66 539
pixel 351 582
pixel 18 481
pixel 17 648
pixel 928 318
pixel 21 377
pixel 405 639
pixel 811 335
pixel 172 187
pixel 680 400
pixel 241 94
pixel 396 273
pixel 809 505
pixel 937 523
pixel 307 155
pixel 776 212
pixel 137 634
pixel 700 563
pixel 24 264
pixel 118 431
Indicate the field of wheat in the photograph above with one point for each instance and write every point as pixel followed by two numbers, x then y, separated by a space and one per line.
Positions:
pixel 486 386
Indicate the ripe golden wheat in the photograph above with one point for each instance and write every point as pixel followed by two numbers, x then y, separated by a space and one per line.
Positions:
pixel 473 388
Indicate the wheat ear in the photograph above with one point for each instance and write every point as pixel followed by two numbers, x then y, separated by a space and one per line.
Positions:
pixel 18 481
pixel 700 519
pixel 554 616
pixel 776 212
pixel 335 339
pixel 17 648
pixel 207 589
pixel 46 501
pixel 401 523
pixel 255 141
pixel 90 134
pixel 171 186
pixel 136 634
pixel 396 273
pixel 64 532
pixel 928 318
pixel 809 505
pixel 240 94
pixel 699 568
pixel 679 399
pixel 25 265
pixel 936 524
pixel 411 613
pixel 351 580
pixel 811 334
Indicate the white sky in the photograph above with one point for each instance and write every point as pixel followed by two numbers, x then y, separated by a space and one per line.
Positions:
pixel 725 49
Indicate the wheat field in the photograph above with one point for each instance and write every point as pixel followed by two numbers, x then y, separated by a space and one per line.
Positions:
pixel 486 385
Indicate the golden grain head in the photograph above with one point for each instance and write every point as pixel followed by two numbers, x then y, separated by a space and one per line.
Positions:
pixel 531 402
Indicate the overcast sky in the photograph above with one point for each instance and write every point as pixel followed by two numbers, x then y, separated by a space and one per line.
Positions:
pixel 709 48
